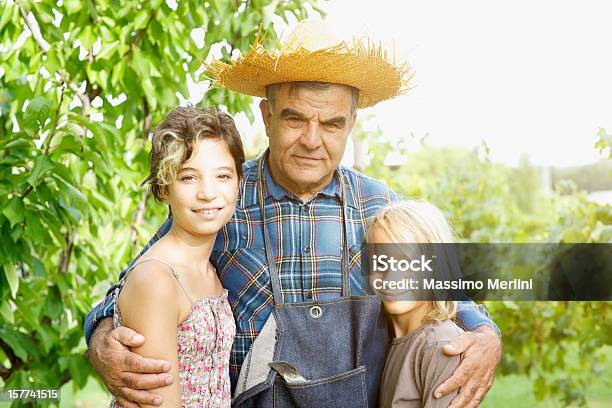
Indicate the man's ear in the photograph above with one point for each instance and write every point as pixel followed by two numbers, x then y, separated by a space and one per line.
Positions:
pixel 264 107
pixel 352 122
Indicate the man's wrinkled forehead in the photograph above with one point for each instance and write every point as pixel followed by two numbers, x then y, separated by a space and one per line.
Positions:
pixel 293 89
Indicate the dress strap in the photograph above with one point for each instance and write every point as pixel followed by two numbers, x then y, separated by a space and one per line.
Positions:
pixel 176 275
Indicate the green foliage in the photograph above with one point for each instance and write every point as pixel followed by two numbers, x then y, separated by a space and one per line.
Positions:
pixel 490 202
pixel 72 155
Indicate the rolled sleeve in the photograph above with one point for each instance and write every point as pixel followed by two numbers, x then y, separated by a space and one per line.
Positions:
pixel 100 311
pixel 471 316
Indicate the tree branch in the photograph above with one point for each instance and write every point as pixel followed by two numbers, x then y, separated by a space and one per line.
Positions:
pixel 48 140
pixel 86 105
pixel 139 215
pixel 138 37
pixel 44 45
pixel 65 258
pixel 146 123
pixel 55 120
pixel 5 373
pixel 16 362
pixel 86 108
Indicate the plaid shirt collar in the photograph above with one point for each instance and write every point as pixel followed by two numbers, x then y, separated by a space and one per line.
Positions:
pixel 249 196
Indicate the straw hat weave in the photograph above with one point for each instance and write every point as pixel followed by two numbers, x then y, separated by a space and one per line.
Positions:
pixel 312 52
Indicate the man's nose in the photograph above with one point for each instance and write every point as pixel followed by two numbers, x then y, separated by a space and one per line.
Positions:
pixel 311 138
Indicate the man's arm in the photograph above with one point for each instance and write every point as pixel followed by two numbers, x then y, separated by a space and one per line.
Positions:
pixel 481 348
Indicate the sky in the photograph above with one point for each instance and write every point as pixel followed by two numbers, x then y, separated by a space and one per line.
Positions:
pixel 530 78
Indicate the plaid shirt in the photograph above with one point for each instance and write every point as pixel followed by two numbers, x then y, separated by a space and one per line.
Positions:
pixel 308 244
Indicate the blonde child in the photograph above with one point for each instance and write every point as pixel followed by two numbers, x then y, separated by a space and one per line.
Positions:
pixel 415 363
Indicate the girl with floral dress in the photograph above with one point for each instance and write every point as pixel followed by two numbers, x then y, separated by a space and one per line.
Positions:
pixel 172 294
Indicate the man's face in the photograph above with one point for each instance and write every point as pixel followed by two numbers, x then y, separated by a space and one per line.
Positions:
pixel 308 130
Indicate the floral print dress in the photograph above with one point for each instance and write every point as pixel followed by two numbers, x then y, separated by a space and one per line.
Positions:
pixel 204 342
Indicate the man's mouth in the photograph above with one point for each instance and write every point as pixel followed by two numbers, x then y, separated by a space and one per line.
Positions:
pixel 307 158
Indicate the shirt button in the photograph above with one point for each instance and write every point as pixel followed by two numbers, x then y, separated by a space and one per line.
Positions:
pixel 307 248
pixel 309 294
pixel 306 208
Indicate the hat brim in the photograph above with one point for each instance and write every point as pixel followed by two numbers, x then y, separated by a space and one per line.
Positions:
pixel 363 67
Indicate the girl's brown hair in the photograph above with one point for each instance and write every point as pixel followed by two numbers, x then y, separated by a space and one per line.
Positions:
pixel 176 136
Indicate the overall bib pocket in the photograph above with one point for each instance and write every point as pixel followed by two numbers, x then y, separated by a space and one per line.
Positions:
pixel 346 389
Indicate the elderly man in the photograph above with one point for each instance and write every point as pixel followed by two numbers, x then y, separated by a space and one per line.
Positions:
pixel 290 256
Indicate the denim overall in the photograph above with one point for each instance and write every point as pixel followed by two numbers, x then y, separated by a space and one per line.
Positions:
pixel 327 353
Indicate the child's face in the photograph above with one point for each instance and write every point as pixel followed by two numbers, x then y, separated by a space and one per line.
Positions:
pixel 394 301
pixel 203 196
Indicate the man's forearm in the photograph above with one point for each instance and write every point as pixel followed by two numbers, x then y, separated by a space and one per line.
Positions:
pixel 99 333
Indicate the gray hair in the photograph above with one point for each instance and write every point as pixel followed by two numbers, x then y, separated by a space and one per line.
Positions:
pixel 271 91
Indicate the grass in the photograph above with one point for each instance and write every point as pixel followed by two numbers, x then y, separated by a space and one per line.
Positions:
pixel 508 391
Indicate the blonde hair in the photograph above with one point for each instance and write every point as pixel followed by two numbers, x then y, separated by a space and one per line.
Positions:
pixel 417 221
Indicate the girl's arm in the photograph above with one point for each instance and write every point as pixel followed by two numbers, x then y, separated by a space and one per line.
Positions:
pixel 149 304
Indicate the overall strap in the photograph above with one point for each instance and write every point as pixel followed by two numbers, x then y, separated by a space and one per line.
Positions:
pixel 271 254
pixel 171 270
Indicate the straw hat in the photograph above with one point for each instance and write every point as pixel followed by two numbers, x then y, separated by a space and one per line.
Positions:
pixel 312 52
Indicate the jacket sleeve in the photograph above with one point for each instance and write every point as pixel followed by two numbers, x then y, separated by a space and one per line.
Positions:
pixel 471 315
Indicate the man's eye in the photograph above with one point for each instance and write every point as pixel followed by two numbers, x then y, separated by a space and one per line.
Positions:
pixel 225 177
pixel 295 121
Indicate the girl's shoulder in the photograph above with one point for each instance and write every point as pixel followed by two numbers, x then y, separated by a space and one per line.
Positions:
pixel 150 277
pixel 443 331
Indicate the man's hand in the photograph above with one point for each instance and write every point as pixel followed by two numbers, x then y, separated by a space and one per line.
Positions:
pixel 481 353
pixel 127 375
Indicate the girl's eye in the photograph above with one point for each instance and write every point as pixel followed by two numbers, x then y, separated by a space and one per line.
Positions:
pixel 187 178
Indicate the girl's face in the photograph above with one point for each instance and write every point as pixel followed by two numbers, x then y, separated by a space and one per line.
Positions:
pixel 203 196
pixel 394 300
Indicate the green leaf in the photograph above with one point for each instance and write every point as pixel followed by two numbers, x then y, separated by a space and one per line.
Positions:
pixel 16 341
pixel 7 13
pixel 11 276
pixel 107 50
pixel 49 337
pixel 87 37
pixel 37 111
pixel 42 165
pixel 140 21
pixel 73 6
pixel 6 312
pixel 53 303
pixel 68 142
pixel 79 369
pixel 14 211
pixel 53 62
